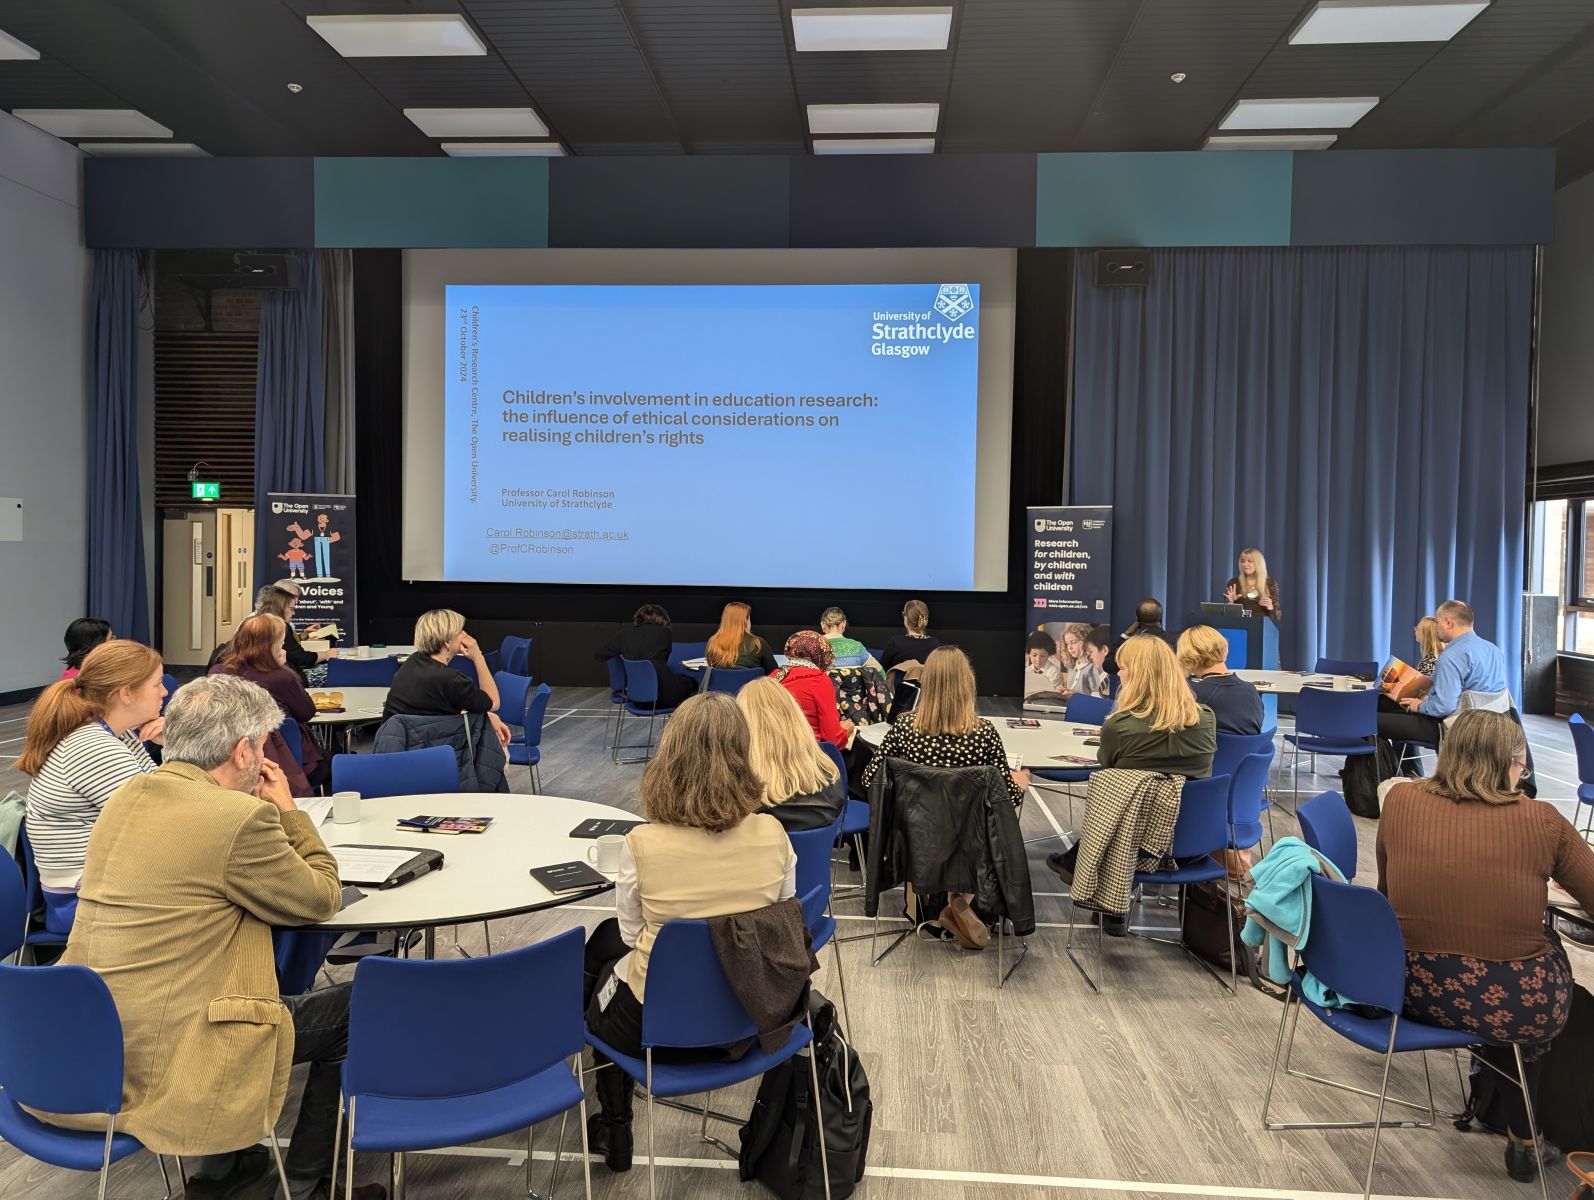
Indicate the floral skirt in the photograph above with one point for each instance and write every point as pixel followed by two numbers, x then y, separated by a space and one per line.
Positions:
pixel 1526 1001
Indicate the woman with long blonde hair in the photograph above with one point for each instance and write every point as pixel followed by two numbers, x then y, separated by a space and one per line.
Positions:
pixel 734 644
pixel 1465 858
pixel 1252 588
pixel 802 787
pixel 1156 723
pixel 84 740
pixel 1428 644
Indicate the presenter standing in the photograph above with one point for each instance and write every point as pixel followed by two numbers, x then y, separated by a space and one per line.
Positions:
pixel 1253 589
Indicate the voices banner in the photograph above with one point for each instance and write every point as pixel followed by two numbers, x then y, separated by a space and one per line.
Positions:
pixel 310 541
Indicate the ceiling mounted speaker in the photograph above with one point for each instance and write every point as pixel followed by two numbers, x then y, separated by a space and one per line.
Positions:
pixel 1123 268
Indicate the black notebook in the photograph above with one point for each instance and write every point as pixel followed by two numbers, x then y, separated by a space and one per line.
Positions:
pixel 569 877
pixel 602 826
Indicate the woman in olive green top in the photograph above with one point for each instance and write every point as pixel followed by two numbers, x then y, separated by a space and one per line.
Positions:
pixel 734 643
pixel 1156 724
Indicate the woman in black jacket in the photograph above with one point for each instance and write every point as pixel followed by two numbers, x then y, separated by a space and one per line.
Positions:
pixel 648 639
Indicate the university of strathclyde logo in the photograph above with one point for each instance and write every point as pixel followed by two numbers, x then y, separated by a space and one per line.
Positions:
pixel 953 301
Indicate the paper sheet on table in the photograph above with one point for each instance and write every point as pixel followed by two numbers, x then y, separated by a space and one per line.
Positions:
pixel 317 808
pixel 366 864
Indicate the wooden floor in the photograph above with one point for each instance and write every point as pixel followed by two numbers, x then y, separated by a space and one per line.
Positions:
pixel 1042 1089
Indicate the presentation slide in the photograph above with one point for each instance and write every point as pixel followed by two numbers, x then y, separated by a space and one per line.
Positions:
pixel 762 435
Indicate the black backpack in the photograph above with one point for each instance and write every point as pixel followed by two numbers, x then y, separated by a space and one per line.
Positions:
pixel 1363 774
pixel 778 1144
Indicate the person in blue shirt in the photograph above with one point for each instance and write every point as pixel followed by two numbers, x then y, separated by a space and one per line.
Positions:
pixel 1468 665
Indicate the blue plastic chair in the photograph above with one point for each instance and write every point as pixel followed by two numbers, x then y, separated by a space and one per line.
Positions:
pixel 680 652
pixel 361 672
pixel 513 656
pixel 63 909
pixel 294 736
pixel 170 683
pixel 1247 783
pixel 13 909
pixel 1235 748
pixel 691 1005
pixel 1080 710
pixel 1346 666
pixel 1356 949
pixel 813 847
pixel 616 697
pixel 1330 722
pixel 1583 743
pixel 457 1084
pixel 641 700
pixel 1328 827
pixel 80 1073
pixel 1200 833
pixel 431 769
pixel 522 708
pixel 729 680
pixel 1086 710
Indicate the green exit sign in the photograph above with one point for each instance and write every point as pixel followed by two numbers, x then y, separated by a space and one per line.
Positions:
pixel 205 491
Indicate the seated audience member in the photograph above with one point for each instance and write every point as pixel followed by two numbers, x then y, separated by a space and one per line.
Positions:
pixel 707 852
pixel 84 739
pixel 82 635
pixel 1147 622
pixel 802 787
pixel 1464 858
pixel 913 644
pixel 425 685
pixel 1092 679
pixel 257 653
pixel 1043 675
pixel 1428 645
pixel 648 639
pixel 279 600
pixel 807 660
pixel 1203 652
pixel 735 645
pixel 1470 674
pixel 833 624
pixel 188 869
pixel 1253 589
pixel 944 731
pixel 1072 656
pixel 1156 723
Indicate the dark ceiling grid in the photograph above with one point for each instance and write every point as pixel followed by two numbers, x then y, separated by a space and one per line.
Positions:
pixel 1480 66
pixel 1375 70
pixel 1215 43
pixel 1551 102
pixel 50 83
pixel 577 60
pixel 722 69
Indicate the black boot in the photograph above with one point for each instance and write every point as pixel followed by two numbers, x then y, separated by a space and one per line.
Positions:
pixel 1521 1163
pixel 609 1131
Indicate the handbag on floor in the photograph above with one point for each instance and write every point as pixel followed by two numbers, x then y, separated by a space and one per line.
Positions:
pixel 1363 774
pixel 1581 1164
pixel 1203 930
pixel 779 1148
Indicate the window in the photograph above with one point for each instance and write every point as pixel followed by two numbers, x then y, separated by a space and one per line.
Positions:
pixel 1565 568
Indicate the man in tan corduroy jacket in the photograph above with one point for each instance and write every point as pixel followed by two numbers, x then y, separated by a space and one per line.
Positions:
pixel 188 869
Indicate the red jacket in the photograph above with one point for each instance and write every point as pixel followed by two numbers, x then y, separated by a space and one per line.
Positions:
pixel 816 696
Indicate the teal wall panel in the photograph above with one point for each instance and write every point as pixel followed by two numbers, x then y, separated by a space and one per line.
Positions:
pixel 431 202
pixel 1187 198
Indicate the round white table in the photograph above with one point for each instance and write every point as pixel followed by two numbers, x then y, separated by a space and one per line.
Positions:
pixel 1290 683
pixel 368 651
pixel 484 875
pixel 359 704
pixel 1044 749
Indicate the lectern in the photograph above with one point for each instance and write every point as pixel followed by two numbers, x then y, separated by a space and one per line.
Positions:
pixel 1253 641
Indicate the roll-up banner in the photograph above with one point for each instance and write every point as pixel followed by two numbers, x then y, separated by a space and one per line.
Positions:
pixel 1070 579
pixel 310 536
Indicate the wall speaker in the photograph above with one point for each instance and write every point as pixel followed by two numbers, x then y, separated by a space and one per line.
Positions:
pixel 1123 268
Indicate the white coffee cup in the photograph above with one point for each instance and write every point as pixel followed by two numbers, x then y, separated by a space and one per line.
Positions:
pixel 361 652
pixel 1342 683
pixel 604 853
pixel 345 808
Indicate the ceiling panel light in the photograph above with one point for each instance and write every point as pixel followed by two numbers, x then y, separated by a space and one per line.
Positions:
pixel 403 35
pixel 92 122
pixel 478 122
pixel 502 149
pixel 874 145
pixel 15 49
pixel 1336 22
pixel 873 118
pixel 847 29
pixel 1327 112
pixel 1273 141
pixel 141 150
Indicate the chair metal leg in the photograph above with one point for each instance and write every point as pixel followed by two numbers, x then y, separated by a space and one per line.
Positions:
pixel 105 1163
pixel 1378 1118
pixel 348 1158
pixel 1023 952
pixel 558 1150
pixel 819 1122
pixel 282 1170
pixel 1533 1124
pixel 165 1178
pixel 1068 949
pixel 653 1182
pixel 1278 1051
pixel 581 1119
pixel 841 983
pixel 337 1140
pixel 399 1182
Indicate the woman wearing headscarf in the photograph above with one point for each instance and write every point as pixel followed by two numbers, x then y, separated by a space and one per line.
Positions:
pixel 808 657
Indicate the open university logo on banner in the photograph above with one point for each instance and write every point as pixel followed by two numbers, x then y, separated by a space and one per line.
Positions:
pixel 953 301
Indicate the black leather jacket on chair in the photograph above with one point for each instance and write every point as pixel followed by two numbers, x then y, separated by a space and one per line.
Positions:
pixel 948 829
pixel 476 747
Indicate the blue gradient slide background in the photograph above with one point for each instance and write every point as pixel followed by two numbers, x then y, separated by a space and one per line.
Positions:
pixel 882 499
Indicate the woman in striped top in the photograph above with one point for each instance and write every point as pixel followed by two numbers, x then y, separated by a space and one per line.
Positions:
pixel 84 740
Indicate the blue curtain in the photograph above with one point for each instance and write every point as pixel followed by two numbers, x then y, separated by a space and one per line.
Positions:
pixel 117 588
pixel 1358 413
pixel 290 407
